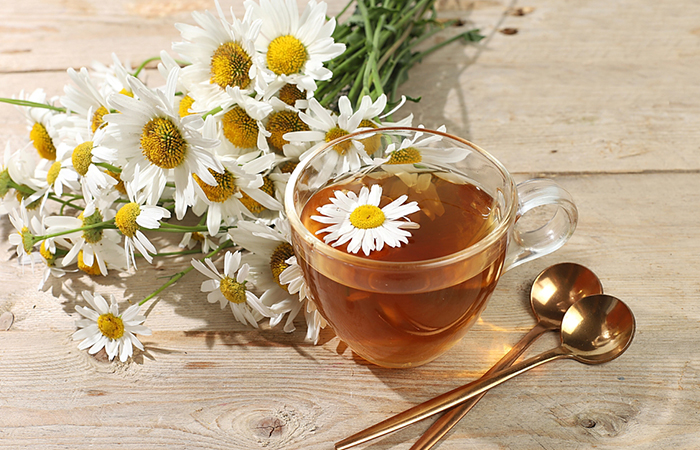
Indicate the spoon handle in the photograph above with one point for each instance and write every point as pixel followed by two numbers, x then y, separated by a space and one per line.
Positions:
pixel 448 420
pixel 448 399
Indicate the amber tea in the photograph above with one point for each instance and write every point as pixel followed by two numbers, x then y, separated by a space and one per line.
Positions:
pixel 400 317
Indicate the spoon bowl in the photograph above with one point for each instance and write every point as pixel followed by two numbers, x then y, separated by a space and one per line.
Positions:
pixel 558 287
pixel 597 329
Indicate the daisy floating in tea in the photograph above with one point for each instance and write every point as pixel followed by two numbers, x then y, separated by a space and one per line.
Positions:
pixel 359 220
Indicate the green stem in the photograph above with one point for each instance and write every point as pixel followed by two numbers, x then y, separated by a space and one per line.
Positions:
pixel 212 112
pixel 181 274
pixel 23 188
pixel 180 253
pixel 18 102
pixel 170 228
pixel 109 167
pixel 154 58
pixel 109 224
pixel 64 202
pixel 347 5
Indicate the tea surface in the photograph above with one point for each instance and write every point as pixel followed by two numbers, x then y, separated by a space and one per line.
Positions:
pixel 452 216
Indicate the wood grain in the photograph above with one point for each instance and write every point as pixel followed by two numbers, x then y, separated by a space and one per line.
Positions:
pixel 602 95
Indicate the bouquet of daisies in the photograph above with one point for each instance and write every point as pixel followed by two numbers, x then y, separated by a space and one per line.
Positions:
pixel 244 100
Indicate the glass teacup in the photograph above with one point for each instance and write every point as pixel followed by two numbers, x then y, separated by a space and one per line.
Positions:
pixel 404 306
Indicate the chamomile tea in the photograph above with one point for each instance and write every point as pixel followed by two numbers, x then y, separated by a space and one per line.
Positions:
pixel 407 310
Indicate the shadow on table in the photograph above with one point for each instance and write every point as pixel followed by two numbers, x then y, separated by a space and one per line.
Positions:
pixel 438 84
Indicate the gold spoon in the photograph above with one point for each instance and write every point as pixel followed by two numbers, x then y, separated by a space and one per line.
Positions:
pixel 554 290
pixel 595 330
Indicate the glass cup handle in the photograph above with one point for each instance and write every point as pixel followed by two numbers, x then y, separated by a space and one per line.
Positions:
pixel 528 244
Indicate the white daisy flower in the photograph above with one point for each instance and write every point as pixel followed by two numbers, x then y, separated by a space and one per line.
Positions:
pixel 135 215
pixel 280 176
pixel 93 248
pixel 293 278
pixel 327 126
pixel 85 99
pixel 358 220
pixel 190 240
pixel 103 327
pixel 5 177
pixel 413 162
pixel 44 125
pixel 185 102
pixel 232 288
pixel 294 47
pixel 284 119
pixel 84 157
pixel 59 174
pixel 288 93
pixel 222 55
pixel 242 123
pixel 20 168
pixel 236 190
pixel 114 77
pixel 279 276
pixel 25 229
pixel 151 135
pixel 418 149
pixel 53 266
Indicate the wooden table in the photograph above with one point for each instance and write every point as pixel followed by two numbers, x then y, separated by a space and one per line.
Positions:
pixel 602 95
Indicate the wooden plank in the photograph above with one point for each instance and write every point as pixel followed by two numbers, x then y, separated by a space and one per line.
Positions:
pixel 206 382
pixel 583 86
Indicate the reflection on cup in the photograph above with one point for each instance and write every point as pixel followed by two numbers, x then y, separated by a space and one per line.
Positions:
pixel 406 305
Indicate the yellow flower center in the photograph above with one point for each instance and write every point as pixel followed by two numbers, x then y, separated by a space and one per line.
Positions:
pixel 287 166
pixel 22 195
pixel 230 65
pixel 239 128
pixel 268 187
pixel 92 235
pixel 290 93
pixel 111 326
pixel 220 193
pixel 49 257
pixel 366 217
pixel 197 236
pixel 373 142
pixel 163 144
pixel 82 157
pixel 233 290
pixel 185 105
pixel 126 219
pixel 92 270
pixel 409 155
pixel 335 133
pixel 5 180
pixel 42 141
pixel 286 55
pixel 127 92
pixel 27 239
pixel 280 255
pixel 53 172
pixel 98 118
pixel 120 184
pixel 282 122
